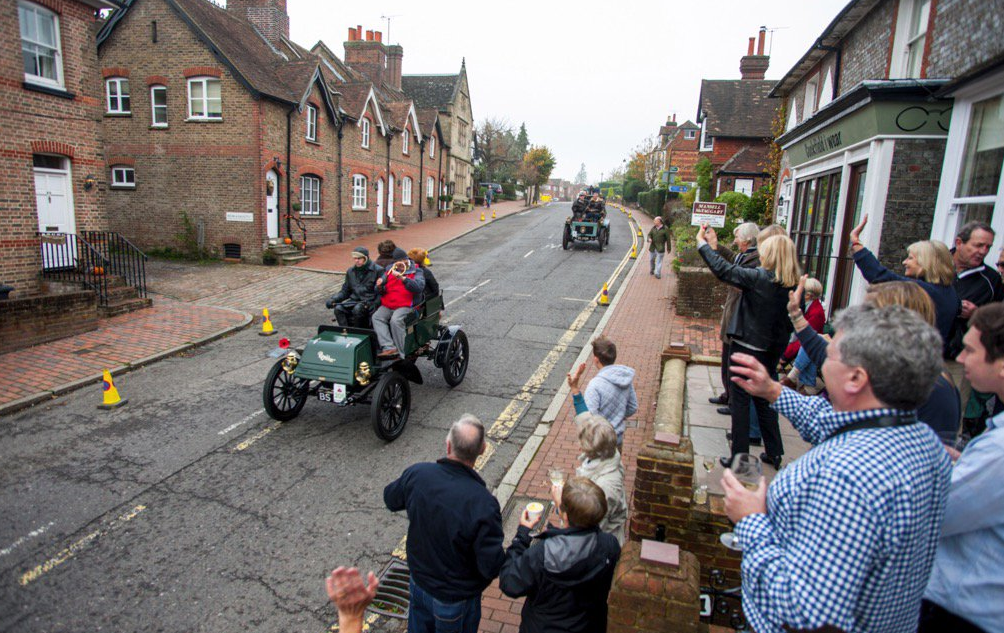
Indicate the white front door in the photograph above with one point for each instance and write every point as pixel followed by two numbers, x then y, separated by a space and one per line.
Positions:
pixel 379 193
pixel 55 212
pixel 390 197
pixel 272 204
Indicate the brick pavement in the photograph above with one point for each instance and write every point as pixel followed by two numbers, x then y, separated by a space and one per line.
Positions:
pixel 119 343
pixel 643 324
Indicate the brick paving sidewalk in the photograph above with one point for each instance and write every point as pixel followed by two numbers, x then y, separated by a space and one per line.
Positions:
pixel 643 324
pixel 119 343
pixel 427 234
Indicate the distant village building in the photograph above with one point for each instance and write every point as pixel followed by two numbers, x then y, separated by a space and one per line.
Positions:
pixel 896 111
pixel 736 118
pixel 679 144
pixel 450 97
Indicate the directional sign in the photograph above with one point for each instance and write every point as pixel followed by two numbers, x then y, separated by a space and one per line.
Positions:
pixel 673 169
pixel 679 188
pixel 710 213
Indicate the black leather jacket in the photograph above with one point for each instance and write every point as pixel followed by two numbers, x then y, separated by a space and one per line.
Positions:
pixel 360 285
pixel 761 319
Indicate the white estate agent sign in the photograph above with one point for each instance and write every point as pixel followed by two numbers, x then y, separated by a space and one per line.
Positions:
pixel 239 217
pixel 710 213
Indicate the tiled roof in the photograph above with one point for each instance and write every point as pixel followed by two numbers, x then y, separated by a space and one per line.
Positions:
pixel 738 107
pixel 689 125
pixel 353 97
pixel 262 68
pixel 751 159
pixel 430 91
pixel 427 120
pixel 397 114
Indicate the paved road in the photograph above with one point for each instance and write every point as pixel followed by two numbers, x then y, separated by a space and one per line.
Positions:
pixel 189 510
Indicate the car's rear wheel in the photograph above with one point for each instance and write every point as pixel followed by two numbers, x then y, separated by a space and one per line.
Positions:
pixel 457 357
pixel 283 395
pixel 599 240
pixel 566 238
pixel 391 406
pixel 606 233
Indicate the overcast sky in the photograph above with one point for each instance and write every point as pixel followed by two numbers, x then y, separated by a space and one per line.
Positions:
pixel 590 78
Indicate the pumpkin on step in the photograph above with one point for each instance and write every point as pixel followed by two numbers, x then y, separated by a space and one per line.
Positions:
pixel 288 241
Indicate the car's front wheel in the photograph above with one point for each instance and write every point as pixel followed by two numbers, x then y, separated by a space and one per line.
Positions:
pixel 391 406
pixel 283 395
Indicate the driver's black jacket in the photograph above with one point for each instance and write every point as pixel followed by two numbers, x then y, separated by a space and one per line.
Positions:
pixel 360 285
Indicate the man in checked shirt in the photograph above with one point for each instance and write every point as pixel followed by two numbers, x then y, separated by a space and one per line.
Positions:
pixel 846 535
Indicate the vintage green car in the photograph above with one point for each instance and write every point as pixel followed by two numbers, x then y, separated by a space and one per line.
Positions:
pixel 339 366
pixel 587 223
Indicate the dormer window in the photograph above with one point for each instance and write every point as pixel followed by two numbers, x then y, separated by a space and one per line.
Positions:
pixel 689 134
pixel 707 141
pixel 366 133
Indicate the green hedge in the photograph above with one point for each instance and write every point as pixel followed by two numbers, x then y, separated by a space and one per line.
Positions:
pixel 652 201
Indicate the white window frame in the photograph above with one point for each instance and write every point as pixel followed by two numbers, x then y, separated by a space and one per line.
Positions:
pixel 946 214
pixel 904 40
pixel 311 115
pixel 365 125
pixel 310 195
pixel 359 190
pixel 205 99
pixel 707 143
pixel 154 107
pixel 432 147
pixel 406 142
pixel 120 177
pixel 430 187
pixel 810 97
pixel 406 190
pixel 689 135
pixel 121 101
pixel 792 116
pixel 57 51
pixel 736 185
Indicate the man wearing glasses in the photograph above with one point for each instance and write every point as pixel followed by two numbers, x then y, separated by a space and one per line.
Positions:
pixel 977 285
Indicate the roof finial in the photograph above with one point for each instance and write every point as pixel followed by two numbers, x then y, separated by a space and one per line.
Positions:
pixel 463 62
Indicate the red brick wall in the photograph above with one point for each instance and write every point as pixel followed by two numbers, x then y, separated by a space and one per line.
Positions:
pixel 35 122
pixel 35 320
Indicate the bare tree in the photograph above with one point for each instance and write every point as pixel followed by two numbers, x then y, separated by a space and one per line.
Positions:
pixel 495 139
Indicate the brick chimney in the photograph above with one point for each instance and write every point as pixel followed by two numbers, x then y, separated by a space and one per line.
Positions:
pixel 395 59
pixel 268 16
pixel 755 66
pixel 369 56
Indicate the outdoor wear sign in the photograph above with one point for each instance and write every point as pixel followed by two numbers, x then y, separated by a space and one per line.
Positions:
pixel 710 213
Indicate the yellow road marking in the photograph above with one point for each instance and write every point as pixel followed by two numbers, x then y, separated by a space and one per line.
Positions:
pixel 484 457
pixel 257 436
pixel 75 547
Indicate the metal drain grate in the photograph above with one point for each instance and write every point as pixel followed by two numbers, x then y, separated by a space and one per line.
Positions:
pixel 393 596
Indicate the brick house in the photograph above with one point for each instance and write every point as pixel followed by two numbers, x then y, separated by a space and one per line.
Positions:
pixel 215 128
pixel 680 145
pixel 450 96
pixel 897 111
pixel 389 151
pixel 50 152
pixel 736 118
pixel 239 137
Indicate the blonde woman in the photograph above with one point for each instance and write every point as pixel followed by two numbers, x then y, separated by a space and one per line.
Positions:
pixel 759 327
pixel 928 263
pixel 601 464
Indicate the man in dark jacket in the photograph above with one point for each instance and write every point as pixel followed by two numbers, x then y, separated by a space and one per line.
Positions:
pixel 566 579
pixel 658 245
pixel 358 298
pixel 454 533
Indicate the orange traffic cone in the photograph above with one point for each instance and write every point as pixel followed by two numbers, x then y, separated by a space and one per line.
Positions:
pixel 482 216
pixel 493 214
pixel 634 252
pixel 112 400
pixel 427 261
pixel 266 324
pixel 604 296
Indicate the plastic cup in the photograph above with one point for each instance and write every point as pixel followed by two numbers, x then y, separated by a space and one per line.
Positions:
pixel 534 509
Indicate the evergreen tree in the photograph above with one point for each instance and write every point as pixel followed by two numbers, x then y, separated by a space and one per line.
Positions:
pixel 582 178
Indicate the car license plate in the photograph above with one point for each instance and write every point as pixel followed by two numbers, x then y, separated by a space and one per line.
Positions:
pixel 336 394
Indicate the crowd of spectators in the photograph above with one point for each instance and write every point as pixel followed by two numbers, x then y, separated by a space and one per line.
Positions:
pixel 892 522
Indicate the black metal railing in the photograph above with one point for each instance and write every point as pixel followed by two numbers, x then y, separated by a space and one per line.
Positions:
pixel 124 259
pixel 68 258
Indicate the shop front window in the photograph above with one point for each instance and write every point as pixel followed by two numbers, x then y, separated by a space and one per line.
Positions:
pixel 812 221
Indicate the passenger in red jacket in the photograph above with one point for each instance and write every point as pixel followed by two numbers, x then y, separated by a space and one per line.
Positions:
pixel 814 314
pixel 401 288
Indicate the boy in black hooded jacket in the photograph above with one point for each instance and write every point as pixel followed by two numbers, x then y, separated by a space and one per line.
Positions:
pixel 566 576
